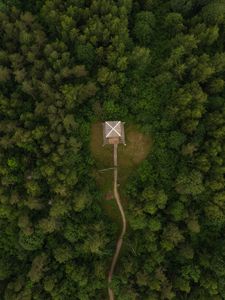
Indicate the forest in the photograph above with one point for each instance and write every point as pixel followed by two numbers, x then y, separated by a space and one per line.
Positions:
pixel 65 65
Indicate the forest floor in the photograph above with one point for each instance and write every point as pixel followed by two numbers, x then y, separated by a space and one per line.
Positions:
pixel 137 148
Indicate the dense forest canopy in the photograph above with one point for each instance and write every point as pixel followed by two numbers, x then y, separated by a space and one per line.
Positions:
pixel 67 64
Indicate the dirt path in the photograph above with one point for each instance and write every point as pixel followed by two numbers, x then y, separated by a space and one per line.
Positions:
pixel 120 239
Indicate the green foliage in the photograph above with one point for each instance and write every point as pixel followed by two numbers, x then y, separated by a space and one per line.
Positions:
pixel 144 26
pixel 5 269
pixel 160 64
pixel 86 54
pixel 182 6
pixel 171 237
pixel 81 202
pixel 32 241
pixel 139 60
pixel 214 12
pixel 63 254
pixel 174 22
pixel 154 200
pixel 48 225
pixel 176 139
pixel 36 272
pixel 49 283
pixel 190 183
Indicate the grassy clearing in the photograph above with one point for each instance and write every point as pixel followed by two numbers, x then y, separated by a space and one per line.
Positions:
pixel 129 156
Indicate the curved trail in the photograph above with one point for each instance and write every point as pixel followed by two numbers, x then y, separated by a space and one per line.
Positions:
pixel 120 239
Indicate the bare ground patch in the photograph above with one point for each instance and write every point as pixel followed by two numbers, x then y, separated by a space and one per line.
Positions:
pixel 136 150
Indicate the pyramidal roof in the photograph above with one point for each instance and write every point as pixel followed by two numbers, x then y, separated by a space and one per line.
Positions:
pixel 113 129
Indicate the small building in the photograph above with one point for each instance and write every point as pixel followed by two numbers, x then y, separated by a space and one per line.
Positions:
pixel 113 132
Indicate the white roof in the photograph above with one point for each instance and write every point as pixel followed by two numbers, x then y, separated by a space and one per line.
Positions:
pixel 113 129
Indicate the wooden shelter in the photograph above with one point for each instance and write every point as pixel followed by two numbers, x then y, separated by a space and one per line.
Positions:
pixel 113 132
